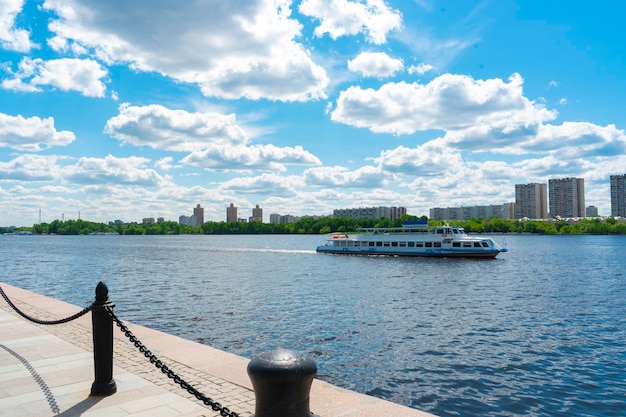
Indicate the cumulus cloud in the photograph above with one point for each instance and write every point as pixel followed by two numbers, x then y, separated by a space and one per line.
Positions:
pixel 11 37
pixel 578 139
pixel 66 74
pixel 158 127
pixel 214 141
pixel 165 164
pixel 265 184
pixel 430 159
pixel 569 140
pixel 29 167
pixel 337 176
pixel 232 49
pixel 254 157
pixel 449 102
pixel 375 64
pixel 31 134
pixel 113 170
pixel 420 69
pixel 374 18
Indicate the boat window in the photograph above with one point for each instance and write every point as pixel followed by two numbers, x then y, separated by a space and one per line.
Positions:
pixel 485 244
pixel 411 244
pixel 437 244
pixel 456 244
pixel 403 244
pixel 440 231
pixel 372 243
pixel 394 244
pixel 429 244
pixel 386 244
pixel 419 244
pixel 477 244
pixel 467 244
pixel 379 243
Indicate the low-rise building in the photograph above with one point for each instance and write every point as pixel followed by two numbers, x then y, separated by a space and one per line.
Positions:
pixel 502 211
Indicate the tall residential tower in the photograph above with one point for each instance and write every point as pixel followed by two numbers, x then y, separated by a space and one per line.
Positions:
pixel 231 213
pixel 531 201
pixel 199 213
pixel 618 195
pixel 257 214
pixel 567 197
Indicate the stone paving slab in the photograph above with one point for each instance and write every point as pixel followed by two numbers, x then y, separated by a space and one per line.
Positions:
pixel 48 371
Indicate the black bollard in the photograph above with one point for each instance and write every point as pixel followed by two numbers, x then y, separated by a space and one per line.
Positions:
pixel 102 329
pixel 282 381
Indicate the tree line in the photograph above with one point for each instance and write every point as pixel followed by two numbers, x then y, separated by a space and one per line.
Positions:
pixel 322 225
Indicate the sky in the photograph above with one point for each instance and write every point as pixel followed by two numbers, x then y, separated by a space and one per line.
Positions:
pixel 121 110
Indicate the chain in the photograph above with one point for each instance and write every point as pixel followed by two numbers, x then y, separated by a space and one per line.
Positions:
pixel 216 406
pixel 46 322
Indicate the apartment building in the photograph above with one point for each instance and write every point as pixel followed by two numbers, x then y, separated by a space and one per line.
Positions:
pixel 531 201
pixel 391 213
pixel 231 213
pixel 567 197
pixel 502 211
pixel 618 195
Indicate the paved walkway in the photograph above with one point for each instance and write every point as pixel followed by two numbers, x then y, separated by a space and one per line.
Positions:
pixel 48 371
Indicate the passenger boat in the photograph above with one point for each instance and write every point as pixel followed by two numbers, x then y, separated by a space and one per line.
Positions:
pixel 414 238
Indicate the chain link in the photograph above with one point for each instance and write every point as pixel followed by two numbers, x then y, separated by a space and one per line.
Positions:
pixel 216 406
pixel 38 321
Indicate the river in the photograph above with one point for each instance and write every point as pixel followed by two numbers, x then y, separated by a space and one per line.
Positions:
pixel 539 331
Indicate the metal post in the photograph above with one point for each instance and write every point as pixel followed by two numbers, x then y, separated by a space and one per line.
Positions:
pixel 102 328
pixel 282 381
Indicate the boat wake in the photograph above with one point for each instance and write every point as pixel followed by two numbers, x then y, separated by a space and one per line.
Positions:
pixel 264 250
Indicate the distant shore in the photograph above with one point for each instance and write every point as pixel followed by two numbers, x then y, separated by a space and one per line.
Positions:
pixel 324 225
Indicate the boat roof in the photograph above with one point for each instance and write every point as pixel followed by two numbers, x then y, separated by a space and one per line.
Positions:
pixel 407 226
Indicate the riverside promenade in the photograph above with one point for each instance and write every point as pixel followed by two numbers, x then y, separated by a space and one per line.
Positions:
pixel 48 371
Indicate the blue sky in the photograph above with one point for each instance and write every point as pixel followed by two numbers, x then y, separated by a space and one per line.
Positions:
pixel 125 110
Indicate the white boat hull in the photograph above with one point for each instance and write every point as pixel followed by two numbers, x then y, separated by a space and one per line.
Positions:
pixel 412 240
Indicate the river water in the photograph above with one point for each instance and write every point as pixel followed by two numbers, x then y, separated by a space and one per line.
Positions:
pixel 540 331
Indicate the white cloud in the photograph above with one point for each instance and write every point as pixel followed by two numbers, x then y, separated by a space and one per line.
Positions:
pixel 31 134
pixel 174 130
pixel 366 177
pixel 66 74
pixel 12 38
pixel 569 140
pixel 213 140
pixel 375 64
pixel 29 167
pixel 420 69
pixel 449 102
pixel 233 49
pixel 431 159
pixel 578 139
pixel 254 157
pixel 165 164
pixel 113 170
pixel 264 184
pixel 374 18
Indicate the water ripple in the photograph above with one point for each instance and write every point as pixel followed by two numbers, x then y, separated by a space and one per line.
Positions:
pixel 538 332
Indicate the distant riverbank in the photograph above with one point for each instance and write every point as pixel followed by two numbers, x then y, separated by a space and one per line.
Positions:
pixel 323 225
